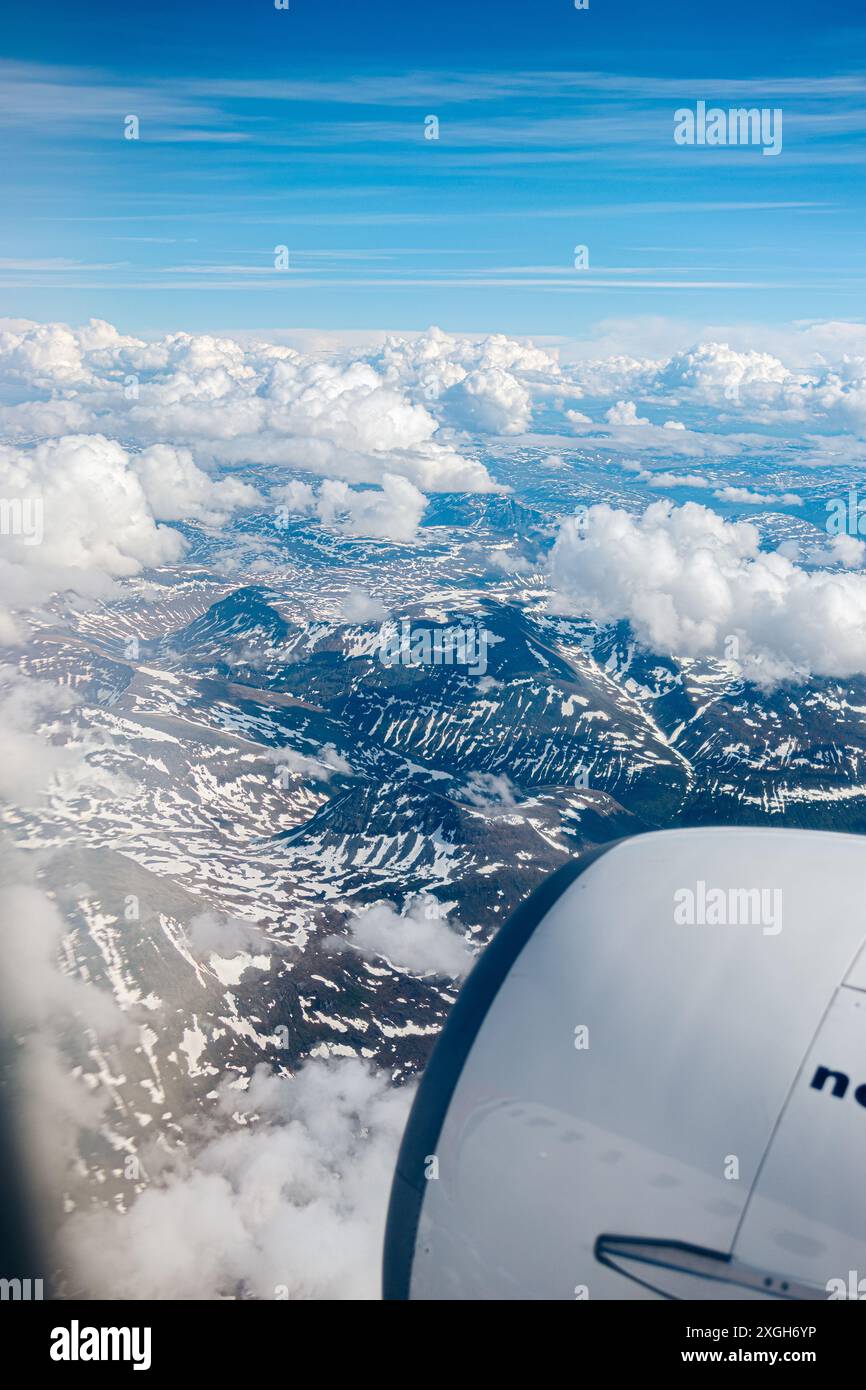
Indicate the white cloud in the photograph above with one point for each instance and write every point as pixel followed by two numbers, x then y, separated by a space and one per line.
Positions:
pixel 686 580
pixel 432 364
pixel 230 402
pixel 491 401
pixel 177 490
pixel 489 790
pixel 290 1203
pixel 665 479
pixel 96 514
pixel 419 941
pixel 318 769
pixel 41 355
pixel 355 412
pixel 29 760
pixel 757 499
pixel 840 550
pixel 392 512
pixel 624 413
pixel 81 512
pixel 358 606
pixel 218 933
pixel 716 372
pixel 814 372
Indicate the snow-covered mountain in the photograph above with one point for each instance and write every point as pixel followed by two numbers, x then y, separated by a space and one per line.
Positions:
pixel 262 778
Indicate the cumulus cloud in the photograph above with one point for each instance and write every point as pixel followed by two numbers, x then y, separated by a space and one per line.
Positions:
pixel 757 499
pixel 358 606
pixel 817 372
pixel 489 790
pixel 94 508
pixel 717 373
pixel 177 490
pixel 491 401
pixel 391 512
pixel 419 941
pixel 665 479
pixel 229 402
pixel 840 550
pixel 80 512
pixel 354 413
pixel 478 384
pixel 625 413
pixel 707 372
pixel 41 354
pixel 687 580
pixel 320 769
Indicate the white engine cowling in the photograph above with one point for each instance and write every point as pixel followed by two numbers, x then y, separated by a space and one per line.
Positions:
pixel 653 1084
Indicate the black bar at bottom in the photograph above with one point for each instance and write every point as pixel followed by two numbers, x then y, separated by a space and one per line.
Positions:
pixel 201 1339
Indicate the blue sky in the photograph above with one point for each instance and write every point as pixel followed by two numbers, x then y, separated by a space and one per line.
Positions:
pixel 305 128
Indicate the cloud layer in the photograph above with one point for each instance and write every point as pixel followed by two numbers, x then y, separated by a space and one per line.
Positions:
pixel 288 1203
pixel 229 402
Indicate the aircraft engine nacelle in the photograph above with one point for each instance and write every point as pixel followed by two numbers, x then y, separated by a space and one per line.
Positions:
pixel 653 1084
